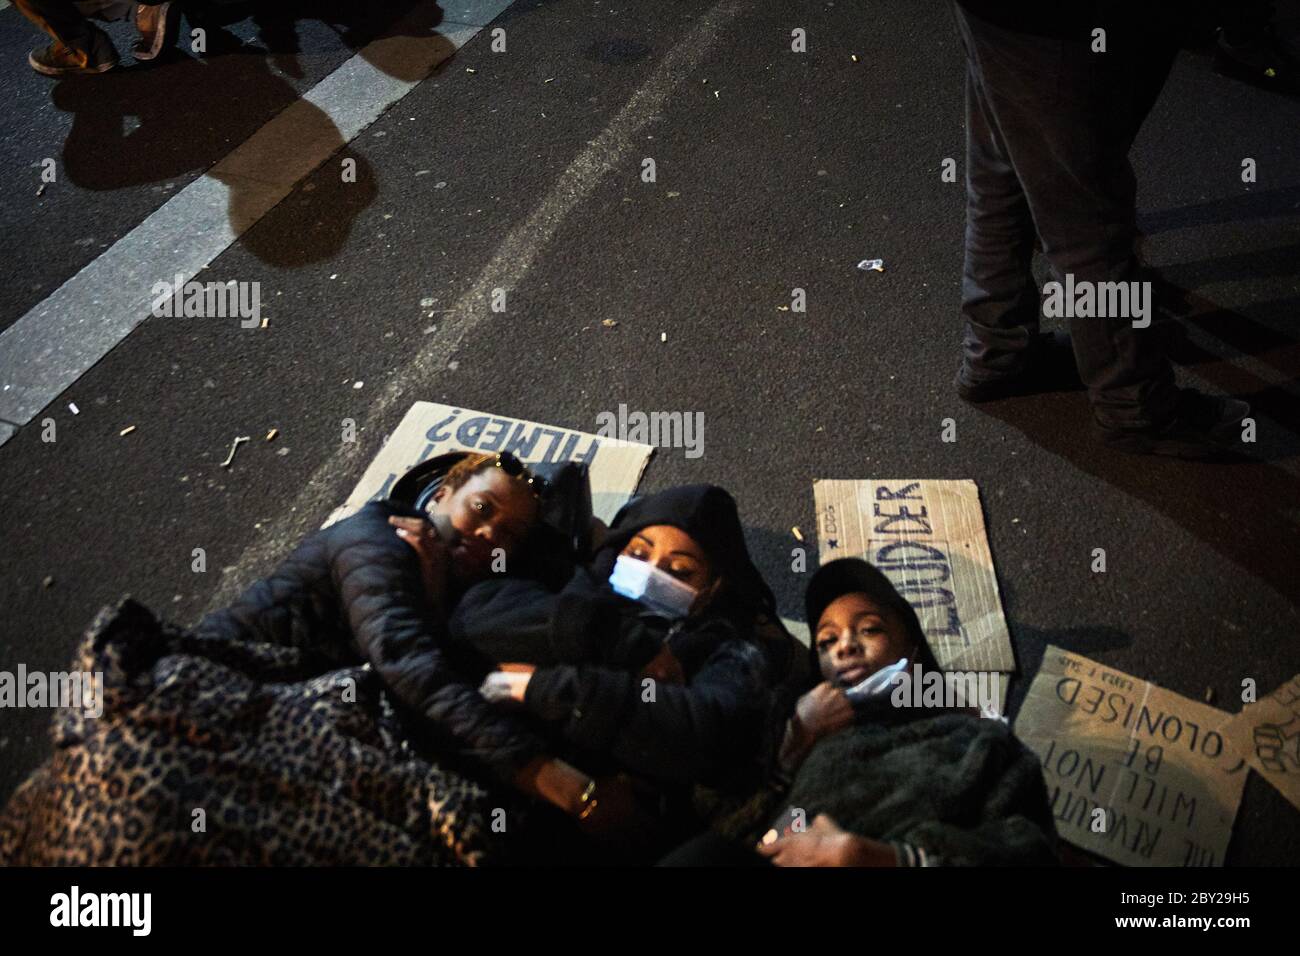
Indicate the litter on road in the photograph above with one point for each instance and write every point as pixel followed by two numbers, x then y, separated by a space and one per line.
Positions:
pixel 231 457
pixel 872 265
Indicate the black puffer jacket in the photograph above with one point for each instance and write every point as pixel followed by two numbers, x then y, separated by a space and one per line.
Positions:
pixel 354 592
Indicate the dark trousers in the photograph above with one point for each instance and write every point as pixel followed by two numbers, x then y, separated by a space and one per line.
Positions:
pixel 1049 124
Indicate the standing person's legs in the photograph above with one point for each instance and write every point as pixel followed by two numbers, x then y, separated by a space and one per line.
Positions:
pixel 1065 119
pixel 79 46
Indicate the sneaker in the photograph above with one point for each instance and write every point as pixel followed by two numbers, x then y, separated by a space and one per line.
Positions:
pixel 1049 367
pixel 154 24
pixel 1203 426
pixel 59 59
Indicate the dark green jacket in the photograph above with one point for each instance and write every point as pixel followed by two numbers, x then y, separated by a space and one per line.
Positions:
pixel 960 788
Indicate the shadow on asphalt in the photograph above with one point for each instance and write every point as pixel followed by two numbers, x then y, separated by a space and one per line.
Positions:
pixel 183 113
pixel 1257 531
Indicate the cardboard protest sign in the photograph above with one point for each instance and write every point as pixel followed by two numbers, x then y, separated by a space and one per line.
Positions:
pixel 927 536
pixel 1136 773
pixel 1267 734
pixel 430 429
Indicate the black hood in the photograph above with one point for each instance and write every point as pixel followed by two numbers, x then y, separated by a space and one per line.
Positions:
pixel 854 575
pixel 709 515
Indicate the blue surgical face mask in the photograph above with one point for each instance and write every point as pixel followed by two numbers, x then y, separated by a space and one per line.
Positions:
pixel 659 591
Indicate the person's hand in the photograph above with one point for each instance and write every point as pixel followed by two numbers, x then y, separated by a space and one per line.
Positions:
pixel 825 844
pixel 509 684
pixel 665 668
pixel 435 560
pixel 822 711
pixel 622 818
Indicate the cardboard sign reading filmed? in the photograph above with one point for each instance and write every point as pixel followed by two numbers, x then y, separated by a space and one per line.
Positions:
pixel 927 536
pixel 1135 773
pixel 429 429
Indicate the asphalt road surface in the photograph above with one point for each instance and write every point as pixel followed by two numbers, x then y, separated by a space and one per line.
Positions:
pixel 522 170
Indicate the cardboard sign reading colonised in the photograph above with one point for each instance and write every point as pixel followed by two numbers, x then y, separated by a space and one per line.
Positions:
pixel 928 538
pixel 1136 773
pixel 429 429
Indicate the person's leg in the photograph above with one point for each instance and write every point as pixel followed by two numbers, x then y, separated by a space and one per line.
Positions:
pixel 999 300
pixel 1067 118
pixel 79 46
pixel 60 19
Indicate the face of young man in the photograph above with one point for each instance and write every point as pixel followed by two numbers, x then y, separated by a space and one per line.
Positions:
pixel 491 510
pixel 855 637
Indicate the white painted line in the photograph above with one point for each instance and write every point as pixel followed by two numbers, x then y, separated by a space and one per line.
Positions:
pixel 56 342
pixel 617 145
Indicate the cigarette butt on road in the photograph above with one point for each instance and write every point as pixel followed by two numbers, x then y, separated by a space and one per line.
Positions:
pixel 609 323
pixel 854 56
pixel 270 436
pixel 48 582
pixel 1209 695
pixel 663 336
pixel 266 322
pixel 72 407
pixel 797 533
pixel 126 431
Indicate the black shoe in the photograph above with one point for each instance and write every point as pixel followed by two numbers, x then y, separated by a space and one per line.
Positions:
pixel 1203 426
pixel 59 59
pixel 1049 367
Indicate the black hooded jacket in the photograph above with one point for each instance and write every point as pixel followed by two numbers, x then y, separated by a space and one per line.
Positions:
pixel 590 645
pixel 354 592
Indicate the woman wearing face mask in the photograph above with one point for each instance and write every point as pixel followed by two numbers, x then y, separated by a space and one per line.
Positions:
pixel 296 726
pixel 654 661
pixel 876 783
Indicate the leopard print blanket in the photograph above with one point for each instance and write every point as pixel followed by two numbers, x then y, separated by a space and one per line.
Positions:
pixel 220 753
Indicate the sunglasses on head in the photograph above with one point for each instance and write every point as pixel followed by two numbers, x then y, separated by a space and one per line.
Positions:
pixel 515 468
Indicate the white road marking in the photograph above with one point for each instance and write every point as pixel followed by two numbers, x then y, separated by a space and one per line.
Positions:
pixel 510 262
pixel 57 341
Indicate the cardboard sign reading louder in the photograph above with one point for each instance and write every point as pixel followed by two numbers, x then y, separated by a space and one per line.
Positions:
pixel 928 538
pixel 429 429
pixel 1136 773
